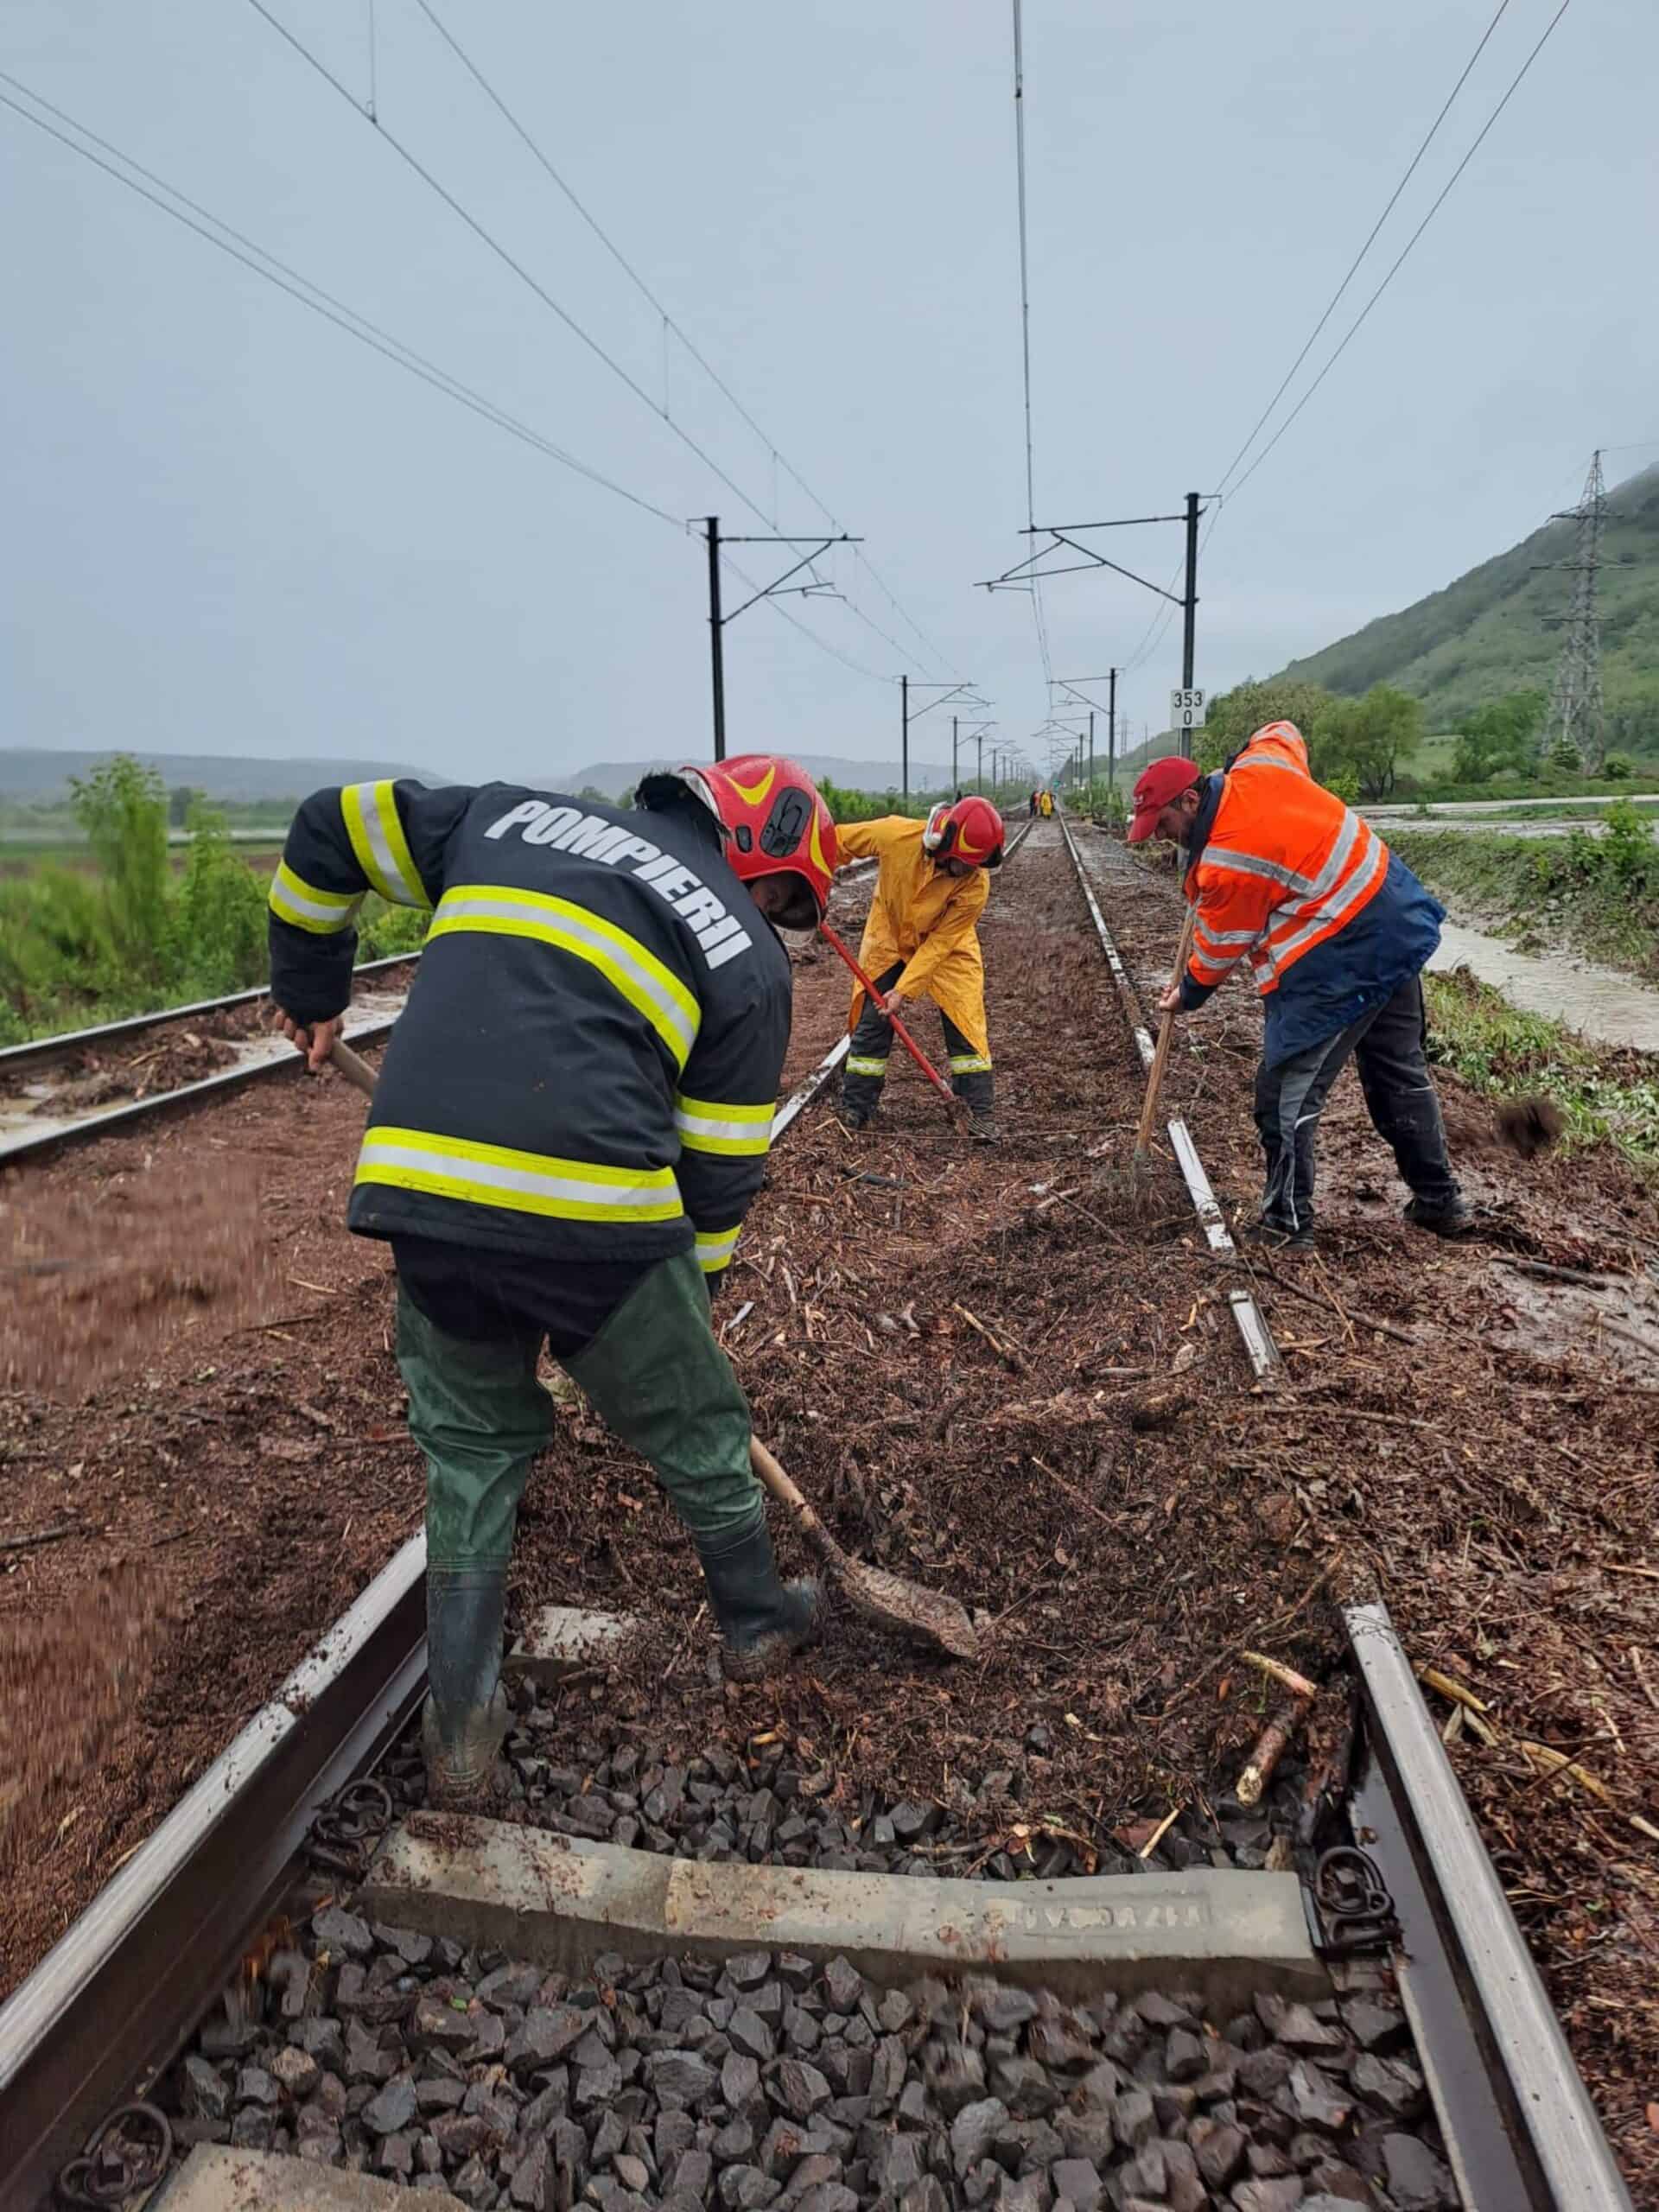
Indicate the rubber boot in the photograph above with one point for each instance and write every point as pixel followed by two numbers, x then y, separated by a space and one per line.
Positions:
pixel 465 1722
pixel 981 1126
pixel 1452 1216
pixel 763 1621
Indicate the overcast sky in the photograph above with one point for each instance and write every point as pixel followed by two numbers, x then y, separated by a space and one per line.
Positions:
pixel 229 527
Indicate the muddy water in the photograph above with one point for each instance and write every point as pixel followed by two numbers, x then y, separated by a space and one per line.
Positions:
pixel 1602 1004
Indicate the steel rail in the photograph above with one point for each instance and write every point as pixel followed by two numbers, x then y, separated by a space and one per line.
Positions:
pixel 117 1995
pixel 1544 2122
pixel 41 1050
pixel 31 1144
pixel 1251 1322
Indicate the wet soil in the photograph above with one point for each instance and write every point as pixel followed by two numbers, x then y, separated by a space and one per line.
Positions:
pixel 210 1508
pixel 989 1372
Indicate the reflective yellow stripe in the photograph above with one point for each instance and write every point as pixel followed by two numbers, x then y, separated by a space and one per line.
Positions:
pixel 970 1064
pixel 526 1182
pixel 859 1064
pixel 378 839
pixel 636 972
pixel 705 1126
pixel 322 912
pixel 715 1247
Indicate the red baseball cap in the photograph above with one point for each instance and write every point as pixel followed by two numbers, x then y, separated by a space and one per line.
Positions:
pixel 1156 788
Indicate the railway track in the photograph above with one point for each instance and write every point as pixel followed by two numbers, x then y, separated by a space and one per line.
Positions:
pixel 108 2009
pixel 42 1106
pixel 44 1085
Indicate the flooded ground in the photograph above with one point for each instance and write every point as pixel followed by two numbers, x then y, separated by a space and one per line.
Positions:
pixel 1487 825
pixel 1598 1002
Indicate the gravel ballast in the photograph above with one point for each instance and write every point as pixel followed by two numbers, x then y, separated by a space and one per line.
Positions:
pixel 767 2081
pixel 768 1803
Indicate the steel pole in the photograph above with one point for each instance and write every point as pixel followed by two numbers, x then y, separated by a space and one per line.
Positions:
pixel 1111 732
pixel 717 637
pixel 1190 607
pixel 904 735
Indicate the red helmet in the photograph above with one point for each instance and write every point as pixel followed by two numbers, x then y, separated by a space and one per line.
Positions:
pixel 775 824
pixel 971 831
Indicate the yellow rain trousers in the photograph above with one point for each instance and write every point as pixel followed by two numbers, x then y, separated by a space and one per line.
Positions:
pixel 925 919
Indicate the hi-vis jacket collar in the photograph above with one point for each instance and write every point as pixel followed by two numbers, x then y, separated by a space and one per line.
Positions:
pixel 589 1062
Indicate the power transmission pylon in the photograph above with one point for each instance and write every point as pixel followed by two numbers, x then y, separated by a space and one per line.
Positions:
pixel 1576 715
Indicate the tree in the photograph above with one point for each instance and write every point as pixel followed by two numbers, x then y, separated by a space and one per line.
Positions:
pixel 1238 714
pixel 1367 739
pixel 179 800
pixel 1501 734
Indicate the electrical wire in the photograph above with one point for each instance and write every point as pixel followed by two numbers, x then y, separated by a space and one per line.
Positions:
pixel 1353 266
pixel 1025 318
pixel 257 259
pixel 669 321
pixel 1439 201
pixel 487 236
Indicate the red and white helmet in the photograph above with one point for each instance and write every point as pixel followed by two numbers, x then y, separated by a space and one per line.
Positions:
pixel 971 831
pixel 775 823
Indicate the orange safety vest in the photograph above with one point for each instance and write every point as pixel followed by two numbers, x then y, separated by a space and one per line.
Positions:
pixel 1287 865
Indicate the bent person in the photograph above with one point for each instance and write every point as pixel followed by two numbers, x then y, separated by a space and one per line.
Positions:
pixel 571 1122
pixel 1337 931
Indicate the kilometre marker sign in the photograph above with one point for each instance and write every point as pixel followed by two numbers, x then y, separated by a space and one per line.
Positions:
pixel 1186 709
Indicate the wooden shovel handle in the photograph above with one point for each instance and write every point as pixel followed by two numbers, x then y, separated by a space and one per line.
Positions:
pixel 773 1478
pixel 352 1065
pixel 1155 1080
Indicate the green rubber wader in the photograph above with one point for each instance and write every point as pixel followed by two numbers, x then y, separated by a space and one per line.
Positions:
pixel 654 1373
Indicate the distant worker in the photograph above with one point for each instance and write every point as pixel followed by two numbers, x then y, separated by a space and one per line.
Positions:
pixel 1337 931
pixel 921 940
pixel 1046 803
pixel 570 1125
pixel 1033 808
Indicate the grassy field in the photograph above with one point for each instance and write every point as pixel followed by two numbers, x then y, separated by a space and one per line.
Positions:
pixel 1606 1096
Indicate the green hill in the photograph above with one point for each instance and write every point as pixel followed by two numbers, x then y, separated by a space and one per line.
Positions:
pixel 1486 634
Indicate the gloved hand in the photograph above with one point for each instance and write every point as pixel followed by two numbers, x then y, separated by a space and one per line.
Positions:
pixel 314 1039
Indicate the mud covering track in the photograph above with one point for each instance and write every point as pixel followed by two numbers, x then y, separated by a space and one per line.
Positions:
pixel 986 1375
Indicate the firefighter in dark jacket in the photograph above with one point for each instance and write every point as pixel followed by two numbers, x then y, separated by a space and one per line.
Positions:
pixel 572 1120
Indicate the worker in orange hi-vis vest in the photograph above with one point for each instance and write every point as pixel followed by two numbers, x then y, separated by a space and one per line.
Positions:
pixel 1337 931
pixel 922 941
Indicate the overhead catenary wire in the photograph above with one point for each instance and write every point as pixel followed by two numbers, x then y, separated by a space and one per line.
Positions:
pixel 482 233
pixel 1353 267
pixel 1160 621
pixel 1437 204
pixel 671 323
pixel 240 248
pixel 487 238
pixel 1025 317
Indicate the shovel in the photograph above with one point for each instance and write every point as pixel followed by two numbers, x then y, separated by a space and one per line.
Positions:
pixel 1141 1166
pixel 926 1616
pixel 954 1105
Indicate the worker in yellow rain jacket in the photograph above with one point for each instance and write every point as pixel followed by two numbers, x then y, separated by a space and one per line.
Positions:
pixel 1046 802
pixel 922 941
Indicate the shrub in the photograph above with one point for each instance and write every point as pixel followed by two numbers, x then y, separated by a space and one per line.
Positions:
pixel 1619 767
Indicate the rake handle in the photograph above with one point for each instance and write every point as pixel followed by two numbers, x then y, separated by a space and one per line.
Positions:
pixel 884 1006
pixel 1156 1078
